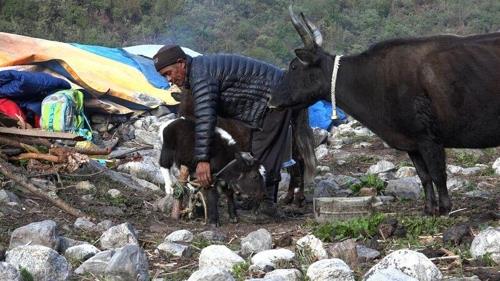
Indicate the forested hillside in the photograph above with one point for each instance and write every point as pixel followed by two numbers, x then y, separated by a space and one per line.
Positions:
pixel 258 28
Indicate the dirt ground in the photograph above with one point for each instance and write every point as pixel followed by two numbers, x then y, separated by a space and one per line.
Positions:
pixel 152 226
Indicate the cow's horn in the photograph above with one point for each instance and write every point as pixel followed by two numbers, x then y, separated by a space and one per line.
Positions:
pixel 302 29
pixel 318 38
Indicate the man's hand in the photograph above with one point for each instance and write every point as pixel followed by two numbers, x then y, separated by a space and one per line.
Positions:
pixel 203 174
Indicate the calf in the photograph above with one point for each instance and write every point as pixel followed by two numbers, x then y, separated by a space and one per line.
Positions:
pixel 235 171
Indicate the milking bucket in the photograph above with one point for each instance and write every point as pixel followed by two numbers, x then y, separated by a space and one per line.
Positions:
pixel 328 209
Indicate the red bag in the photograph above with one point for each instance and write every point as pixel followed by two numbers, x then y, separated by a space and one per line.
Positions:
pixel 11 109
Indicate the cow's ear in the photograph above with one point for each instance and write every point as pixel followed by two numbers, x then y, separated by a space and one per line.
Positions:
pixel 177 96
pixel 306 56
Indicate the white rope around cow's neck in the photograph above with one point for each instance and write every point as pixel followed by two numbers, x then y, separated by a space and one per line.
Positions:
pixel 334 80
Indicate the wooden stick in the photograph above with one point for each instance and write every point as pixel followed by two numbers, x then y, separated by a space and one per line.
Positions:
pixel 26 184
pixel 39 156
pixel 41 134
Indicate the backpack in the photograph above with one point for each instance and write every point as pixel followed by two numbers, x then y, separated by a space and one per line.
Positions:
pixel 62 111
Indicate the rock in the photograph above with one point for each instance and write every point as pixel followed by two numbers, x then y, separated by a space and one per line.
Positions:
pixel 455 184
pixel 284 275
pixel 472 278
pixel 367 191
pixel 8 197
pixel 174 249
pixel 496 166
pixel 180 236
pixel 323 169
pixel 147 169
pixel 389 274
pixel 330 270
pixel 411 263
pixel 118 236
pixel 2 253
pixel 346 251
pixel 81 253
pixel 366 254
pixel 312 244
pixel 85 185
pixel 406 172
pixel 284 241
pixel 84 224
pixel 487 242
pixel 457 234
pixel 111 211
pixel 381 167
pixel 104 225
pixel 269 258
pixel 97 264
pixel 128 263
pixel 164 204
pixel 326 188
pixel 212 236
pixel 321 152
pixel 9 272
pixel 114 193
pixel 42 262
pixel 218 256
pixel 404 188
pixel 471 171
pixel 320 136
pixel 478 194
pixel 36 233
pixel 256 241
pixel 211 274
pixel 65 243
pixel 341 156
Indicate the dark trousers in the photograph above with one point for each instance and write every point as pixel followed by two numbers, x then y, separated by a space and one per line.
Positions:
pixel 272 146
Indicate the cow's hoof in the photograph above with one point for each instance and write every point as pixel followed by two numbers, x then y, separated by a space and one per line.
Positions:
pixel 234 220
pixel 431 211
pixel 444 211
pixel 287 200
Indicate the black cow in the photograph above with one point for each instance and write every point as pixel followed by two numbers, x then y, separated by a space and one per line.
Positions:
pixel 238 172
pixel 419 95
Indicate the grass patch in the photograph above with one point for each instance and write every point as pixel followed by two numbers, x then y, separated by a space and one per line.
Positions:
pixel 365 227
pixel 487 172
pixel 240 271
pixel 200 243
pixel 465 159
pixel 418 226
pixel 369 180
pixel 25 274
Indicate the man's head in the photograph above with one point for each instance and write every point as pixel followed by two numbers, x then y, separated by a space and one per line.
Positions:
pixel 170 62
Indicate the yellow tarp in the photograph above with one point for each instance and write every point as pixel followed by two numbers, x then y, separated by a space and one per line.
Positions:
pixel 96 74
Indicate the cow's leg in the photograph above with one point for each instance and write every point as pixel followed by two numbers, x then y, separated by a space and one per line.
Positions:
pixel 425 178
pixel 435 160
pixel 231 209
pixel 212 205
pixel 291 187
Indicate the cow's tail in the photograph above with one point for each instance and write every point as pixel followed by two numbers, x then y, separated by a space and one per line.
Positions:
pixel 304 141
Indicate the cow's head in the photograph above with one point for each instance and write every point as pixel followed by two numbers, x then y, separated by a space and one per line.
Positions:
pixel 308 77
pixel 246 176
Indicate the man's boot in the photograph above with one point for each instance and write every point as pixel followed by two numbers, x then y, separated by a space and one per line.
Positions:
pixel 268 210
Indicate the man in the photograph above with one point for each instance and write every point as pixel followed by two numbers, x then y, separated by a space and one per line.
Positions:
pixel 236 87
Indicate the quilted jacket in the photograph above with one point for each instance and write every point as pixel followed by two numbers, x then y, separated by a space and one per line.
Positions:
pixel 230 86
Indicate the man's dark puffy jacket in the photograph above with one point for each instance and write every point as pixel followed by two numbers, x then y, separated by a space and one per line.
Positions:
pixel 229 86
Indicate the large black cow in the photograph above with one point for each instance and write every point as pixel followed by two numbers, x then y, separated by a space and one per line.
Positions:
pixel 419 95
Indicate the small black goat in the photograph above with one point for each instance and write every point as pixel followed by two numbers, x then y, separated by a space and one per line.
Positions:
pixel 238 172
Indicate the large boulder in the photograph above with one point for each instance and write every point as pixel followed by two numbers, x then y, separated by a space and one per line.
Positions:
pixel 389 274
pixel 330 270
pixel 290 274
pixel 404 188
pixel 80 253
pixel 218 256
pixel 128 263
pixel 118 236
pixel 37 233
pixel 256 241
pixel 8 272
pixel 180 236
pixel 269 258
pixel 487 242
pixel 312 244
pixel 411 263
pixel 42 262
pixel 97 264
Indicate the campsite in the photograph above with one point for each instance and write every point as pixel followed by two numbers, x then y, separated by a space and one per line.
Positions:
pixel 82 193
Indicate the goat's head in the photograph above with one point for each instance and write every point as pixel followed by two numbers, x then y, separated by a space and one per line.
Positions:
pixel 246 176
pixel 307 79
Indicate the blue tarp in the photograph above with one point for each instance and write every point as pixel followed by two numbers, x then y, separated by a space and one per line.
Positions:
pixel 320 115
pixel 142 64
pixel 29 88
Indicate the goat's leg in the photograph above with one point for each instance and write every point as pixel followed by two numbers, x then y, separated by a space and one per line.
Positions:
pixel 435 160
pixel 212 205
pixel 298 182
pixel 425 178
pixel 231 209
pixel 167 177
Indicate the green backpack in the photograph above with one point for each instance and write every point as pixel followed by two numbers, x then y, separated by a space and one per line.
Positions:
pixel 62 111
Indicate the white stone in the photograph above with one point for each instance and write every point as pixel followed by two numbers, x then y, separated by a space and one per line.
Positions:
pixel 97 264
pixel 256 241
pixel 8 272
pixel 85 185
pixel 270 257
pixel 330 270
pixel 128 263
pixel 104 225
pixel 496 166
pixel 455 184
pixel 321 152
pixel 389 274
pixel 174 249
pixel 42 262
pixel 218 256
pixel 405 188
pixel 381 167
pixel 411 263
pixel 452 169
pixel 114 193
pixel 487 241
pixel 81 252
pixel 147 169
pixel 284 274
pixel 180 236
pixel 84 224
pixel 405 172
pixel 314 245
pixel 211 274
pixel 118 236
pixel 37 233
